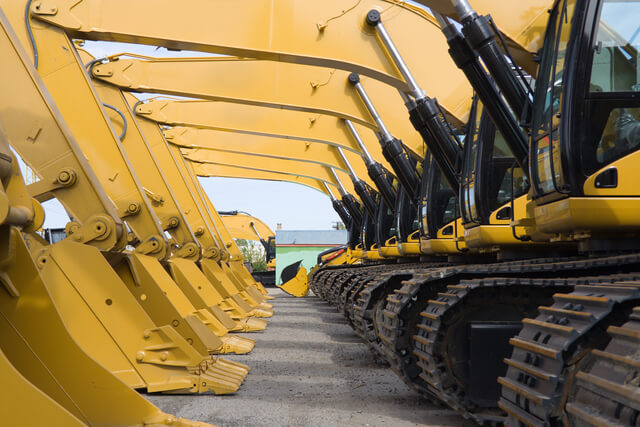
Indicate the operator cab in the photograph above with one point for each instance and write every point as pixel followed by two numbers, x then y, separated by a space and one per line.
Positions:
pixel 585 137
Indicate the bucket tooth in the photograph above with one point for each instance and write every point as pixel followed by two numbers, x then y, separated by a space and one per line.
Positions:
pixel 235 366
pixel 257 312
pixel 254 294
pixel 250 324
pixel 265 294
pixel 237 345
pixel 220 376
pixel 164 420
pixel 265 306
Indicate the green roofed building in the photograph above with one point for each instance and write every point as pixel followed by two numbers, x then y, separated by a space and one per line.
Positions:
pixel 295 245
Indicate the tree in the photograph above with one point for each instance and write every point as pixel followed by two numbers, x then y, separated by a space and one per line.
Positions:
pixel 253 252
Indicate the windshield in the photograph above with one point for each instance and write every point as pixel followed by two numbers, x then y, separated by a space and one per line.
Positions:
pixel 614 69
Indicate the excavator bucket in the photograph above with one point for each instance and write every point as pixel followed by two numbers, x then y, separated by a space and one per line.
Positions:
pixel 294 280
pixel 195 285
pixel 107 322
pixel 166 304
pixel 215 273
pixel 25 395
pixel 43 365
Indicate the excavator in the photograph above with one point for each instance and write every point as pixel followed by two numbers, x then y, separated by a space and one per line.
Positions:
pixel 561 365
pixel 140 216
pixel 406 178
pixel 244 226
pixel 133 349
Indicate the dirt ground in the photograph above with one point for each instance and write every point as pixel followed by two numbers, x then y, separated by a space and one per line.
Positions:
pixel 310 369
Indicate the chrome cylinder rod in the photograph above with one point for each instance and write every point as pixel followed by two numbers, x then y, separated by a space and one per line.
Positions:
pixel 343 191
pixel 373 19
pixel 326 187
pixel 463 8
pixel 352 172
pixel 382 129
pixel 367 156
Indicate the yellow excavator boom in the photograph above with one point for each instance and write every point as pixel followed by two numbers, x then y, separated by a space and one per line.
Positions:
pixel 244 226
pixel 324 34
pixel 522 23
pixel 225 171
pixel 256 120
pixel 207 145
pixel 267 84
pixel 295 167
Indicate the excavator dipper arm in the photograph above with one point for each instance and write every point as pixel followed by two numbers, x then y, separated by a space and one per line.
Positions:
pixel 63 73
pixel 327 33
pixel 226 171
pixel 209 145
pixel 33 122
pixel 154 183
pixel 255 120
pixel 311 89
pixel 244 226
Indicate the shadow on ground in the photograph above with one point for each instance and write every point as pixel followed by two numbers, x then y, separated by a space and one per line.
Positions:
pixel 310 369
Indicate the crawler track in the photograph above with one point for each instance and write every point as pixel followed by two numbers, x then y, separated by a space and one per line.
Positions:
pixel 606 388
pixel 414 316
pixel 552 347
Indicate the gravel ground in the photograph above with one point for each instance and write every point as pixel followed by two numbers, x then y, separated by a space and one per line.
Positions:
pixel 310 369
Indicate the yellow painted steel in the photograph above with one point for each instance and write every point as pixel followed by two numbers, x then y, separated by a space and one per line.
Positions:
pixel 21 397
pixel 186 245
pixel 291 166
pixel 47 377
pixel 521 22
pixel 201 224
pixel 241 226
pixel 49 356
pixel 251 119
pixel 601 210
pixel 63 74
pixel 299 285
pixel 145 275
pixel 267 84
pixel 252 291
pixel 208 145
pixel 32 102
pixel 577 218
pixel 299 175
pixel 329 34
pixel 270 84
pixel 226 171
